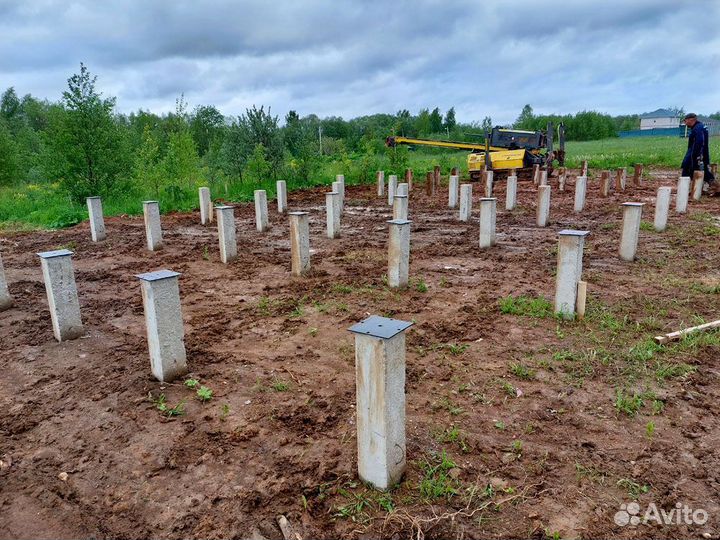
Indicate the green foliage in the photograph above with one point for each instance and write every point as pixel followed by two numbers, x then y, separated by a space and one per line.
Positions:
pixel 450 121
pixel 52 155
pixel 633 488
pixel 148 171
pixel 522 371
pixel 628 404
pixel 9 165
pixel 204 393
pixel 257 169
pixel 85 148
pixel 583 126
pixel 181 160
pixel 528 307
pixel 437 481
pixel 161 405
pixel 280 386
pixel 397 160
pixel 420 285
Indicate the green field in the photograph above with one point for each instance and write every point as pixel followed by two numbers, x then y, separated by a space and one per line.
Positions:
pixel 43 205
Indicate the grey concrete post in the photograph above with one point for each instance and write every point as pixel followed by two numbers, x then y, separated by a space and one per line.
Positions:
pixel 403 189
pixel 62 295
pixel 299 243
pixel 544 177
pixel 682 195
pixel 488 216
pixel 282 196
pixel 332 210
pixel 511 193
pixel 261 210
pixel 465 202
pixel 569 271
pixel 399 253
pixel 543 206
pixel 698 181
pixel 662 208
pixel 453 191
pixel 205 205
pixel 380 399
pixel 153 229
pixel 226 233
pixel 632 214
pixel 5 298
pixel 337 187
pixel 580 192
pixel 381 183
pixel 392 188
pixel 97 222
pixel 340 178
pixel 400 207
pixel 164 324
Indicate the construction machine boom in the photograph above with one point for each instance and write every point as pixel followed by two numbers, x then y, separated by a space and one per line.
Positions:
pixel 502 150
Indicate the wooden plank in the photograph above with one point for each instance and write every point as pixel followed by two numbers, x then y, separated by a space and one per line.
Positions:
pixel 674 336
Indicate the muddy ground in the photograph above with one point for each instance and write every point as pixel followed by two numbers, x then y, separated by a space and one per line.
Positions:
pixel 523 407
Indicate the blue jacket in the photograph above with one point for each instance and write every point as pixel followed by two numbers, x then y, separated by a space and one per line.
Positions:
pixel 696 147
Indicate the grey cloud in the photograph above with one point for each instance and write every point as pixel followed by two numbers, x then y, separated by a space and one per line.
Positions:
pixel 353 58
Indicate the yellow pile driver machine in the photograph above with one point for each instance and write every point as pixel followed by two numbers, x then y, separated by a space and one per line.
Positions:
pixel 503 150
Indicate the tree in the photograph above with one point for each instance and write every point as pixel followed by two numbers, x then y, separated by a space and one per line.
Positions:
pixel 404 124
pixel 181 161
pixel 206 125
pixel 524 121
pixel 8 156
pixel 11 110
pixel 293 132
pixel 85 148
pixel 487 124
pixel 435 121
pixel 263 128
pixel 450 121
pixel 422 122
pixel 254 127
pixel 148 171
pixel 257 168
pixel 235 150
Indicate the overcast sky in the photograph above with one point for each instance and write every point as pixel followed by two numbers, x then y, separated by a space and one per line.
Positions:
pixel 343 58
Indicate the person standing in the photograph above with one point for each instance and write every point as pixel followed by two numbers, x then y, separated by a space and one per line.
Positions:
pixel 697 156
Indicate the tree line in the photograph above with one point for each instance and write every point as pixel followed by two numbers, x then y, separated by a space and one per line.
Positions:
pixel 82 145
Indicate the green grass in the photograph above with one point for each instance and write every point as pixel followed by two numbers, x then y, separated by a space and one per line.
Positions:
pixel 437 482
pixel 528 307
pixel 629 404
pixel 43 205
pixel 612 153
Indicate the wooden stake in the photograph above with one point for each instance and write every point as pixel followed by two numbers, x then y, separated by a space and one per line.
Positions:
pixel 605 184
pixel 675 336
pixel 429 187
pixel 637 176
pixel 581 298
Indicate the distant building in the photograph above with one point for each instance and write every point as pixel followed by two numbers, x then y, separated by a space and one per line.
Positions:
pixel 659 119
